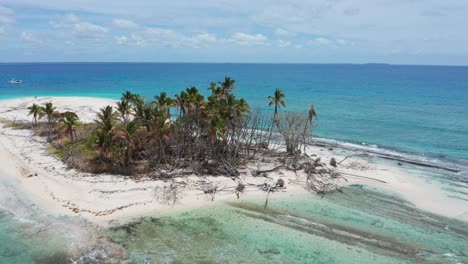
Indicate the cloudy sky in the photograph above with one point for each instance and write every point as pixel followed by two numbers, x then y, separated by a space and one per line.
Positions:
pixel 303 31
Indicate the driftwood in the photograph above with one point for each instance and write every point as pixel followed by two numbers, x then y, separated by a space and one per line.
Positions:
pixel 349 156
pixel 210 189
pixel 267 196
pixel 359 176
pixel 170 193
pixel 269 188
pixel 260 172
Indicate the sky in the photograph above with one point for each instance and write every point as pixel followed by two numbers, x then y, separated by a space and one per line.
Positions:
pixel 265 31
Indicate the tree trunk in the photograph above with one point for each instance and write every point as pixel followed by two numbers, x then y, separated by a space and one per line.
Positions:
pixel 127 154
pixel 71 134
pixel 272 125
pixel 50 127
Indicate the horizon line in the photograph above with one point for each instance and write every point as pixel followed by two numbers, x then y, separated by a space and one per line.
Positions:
pixel 265 63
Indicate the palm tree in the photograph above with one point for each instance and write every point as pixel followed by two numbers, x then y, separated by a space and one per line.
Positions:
pixel 277 100
pixel 36 111
pixel 198 101
pixel 216 91
pixel 164 103
pixel 194 100
pixel 312 113
pixel 242 107
pixel 70 122
pixel 126 134
pixel 227 85
pixel 181 102
pixel 49 111
pixel 138 104
pixel 216 128
pixel 105 120
pixel 229 106
pixel 125 109
pixel 128 96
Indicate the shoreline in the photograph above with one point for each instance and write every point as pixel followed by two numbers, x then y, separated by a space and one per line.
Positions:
pixel 109 199
pixel 395 155
pixel 411 157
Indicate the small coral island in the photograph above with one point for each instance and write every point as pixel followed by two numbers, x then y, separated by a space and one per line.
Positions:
pixel 187 134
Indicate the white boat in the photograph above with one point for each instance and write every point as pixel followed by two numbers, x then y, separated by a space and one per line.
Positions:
pixel 14 81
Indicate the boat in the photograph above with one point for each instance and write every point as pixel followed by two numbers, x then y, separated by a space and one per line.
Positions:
pixel 14 81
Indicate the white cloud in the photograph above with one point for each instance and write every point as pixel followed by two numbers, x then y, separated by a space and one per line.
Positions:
pixel 320 41
pixel 5 10
pixel 122 40
pixel 65 21
pixel 89 31
pixel 156 36
pixel 393 52
pixel 244 39
pixel 163 37
pixel 137 40
pixel 343 42
pixel 369 23
pixel 125 24
pixel 29 37
pixel 351 11
pixel 89 28
pixel 153 36
pixel 6 19
pixel 203 39
pixel 71 23
pixel 281 32
pixel 283 43
pixel 328 42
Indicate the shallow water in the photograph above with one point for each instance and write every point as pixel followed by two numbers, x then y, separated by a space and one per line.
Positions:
pixel 361 225
pixel 26 241
pixel 28 235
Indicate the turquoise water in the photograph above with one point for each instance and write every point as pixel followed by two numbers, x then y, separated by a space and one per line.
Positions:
pixel 23 241
pixel 360 226
pixel 418 109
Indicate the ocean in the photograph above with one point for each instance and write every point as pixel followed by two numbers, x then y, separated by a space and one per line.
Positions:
pixel 419 110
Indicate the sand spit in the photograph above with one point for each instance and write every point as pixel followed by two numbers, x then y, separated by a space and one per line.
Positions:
pixel 107 199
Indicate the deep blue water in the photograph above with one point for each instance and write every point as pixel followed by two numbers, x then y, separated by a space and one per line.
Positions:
pixel 419 109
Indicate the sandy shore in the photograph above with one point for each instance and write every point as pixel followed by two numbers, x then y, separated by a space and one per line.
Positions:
pixel 104 199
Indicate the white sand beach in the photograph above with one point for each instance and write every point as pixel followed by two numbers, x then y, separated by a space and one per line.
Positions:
pixel 104 199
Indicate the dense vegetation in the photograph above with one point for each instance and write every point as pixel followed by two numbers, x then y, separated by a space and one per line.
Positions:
pixel 212 135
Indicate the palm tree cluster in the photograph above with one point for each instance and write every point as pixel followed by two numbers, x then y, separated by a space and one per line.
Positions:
pixel 68 120
pixel 204 130
pixel 209 135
